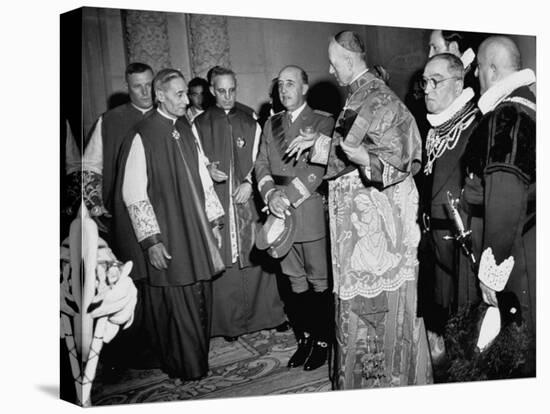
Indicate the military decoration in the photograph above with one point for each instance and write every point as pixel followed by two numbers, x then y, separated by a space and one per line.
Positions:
pixel 240 142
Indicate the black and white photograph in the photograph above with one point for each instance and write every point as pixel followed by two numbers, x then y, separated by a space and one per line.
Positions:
pixel 287 205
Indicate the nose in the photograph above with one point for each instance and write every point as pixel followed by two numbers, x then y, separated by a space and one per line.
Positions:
pixel 144 91
pixel 331 70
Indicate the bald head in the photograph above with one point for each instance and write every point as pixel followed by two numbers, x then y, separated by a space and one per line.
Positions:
pixel 498 57
pixel 346 53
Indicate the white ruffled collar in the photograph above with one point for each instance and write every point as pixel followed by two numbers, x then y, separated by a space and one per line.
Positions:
pixel 468 57
pixel 500 90
pixel 442 117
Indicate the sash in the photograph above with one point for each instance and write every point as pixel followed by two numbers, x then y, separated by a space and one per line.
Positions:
pixel 278 132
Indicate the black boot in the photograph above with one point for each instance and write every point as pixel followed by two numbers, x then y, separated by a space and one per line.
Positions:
pixel 303 351
pixel 298 311
pixel 318 355
pixel 322 329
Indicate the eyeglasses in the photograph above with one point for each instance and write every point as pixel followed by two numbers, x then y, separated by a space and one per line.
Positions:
pixel 433 83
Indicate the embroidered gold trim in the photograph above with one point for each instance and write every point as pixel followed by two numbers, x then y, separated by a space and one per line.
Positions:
pixel 143 219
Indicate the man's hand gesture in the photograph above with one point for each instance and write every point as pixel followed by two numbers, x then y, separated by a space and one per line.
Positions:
pixel 158 256
pixel 358 155
pixel 242 193
pixel 278 204
pixel 217 176
pixel 302 142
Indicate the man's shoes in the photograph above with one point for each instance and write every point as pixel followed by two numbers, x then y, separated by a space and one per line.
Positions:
pixel 302 353
pixel 284 327
pixel 317 357
pixel 230 338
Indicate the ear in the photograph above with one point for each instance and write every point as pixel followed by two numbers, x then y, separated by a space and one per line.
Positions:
pixel 159 93
pixel 305 88
pixel 494 73
pixel 459 86
pixel 211 88
pixel 349 62
pixel 453 48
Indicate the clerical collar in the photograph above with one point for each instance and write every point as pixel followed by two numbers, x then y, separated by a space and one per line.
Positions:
pixel 500 90
pixel 164 114
pixel 442 117
pixel 143 111
pixel 294 114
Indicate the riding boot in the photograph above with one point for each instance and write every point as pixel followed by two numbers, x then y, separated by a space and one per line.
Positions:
pixel 322 329
pixel 298 316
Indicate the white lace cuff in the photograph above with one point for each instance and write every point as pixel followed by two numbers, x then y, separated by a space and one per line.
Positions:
pixel 143 219
pixel 493 275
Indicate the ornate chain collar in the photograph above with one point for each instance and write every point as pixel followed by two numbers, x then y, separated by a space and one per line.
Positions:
pixel 445 136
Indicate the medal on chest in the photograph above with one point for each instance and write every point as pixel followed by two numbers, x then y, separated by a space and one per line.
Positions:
pixel 240 142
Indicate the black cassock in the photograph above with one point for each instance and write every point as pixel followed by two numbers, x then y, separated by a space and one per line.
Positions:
pixel 174 308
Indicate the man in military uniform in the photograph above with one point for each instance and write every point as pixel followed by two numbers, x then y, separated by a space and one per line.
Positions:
pixel 290 186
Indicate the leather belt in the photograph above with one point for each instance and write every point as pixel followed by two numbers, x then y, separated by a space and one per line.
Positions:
pixel 441 224
pixel 431 223
pixel 282 179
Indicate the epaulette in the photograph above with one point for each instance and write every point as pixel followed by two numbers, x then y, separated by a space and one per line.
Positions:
pixel 327 114
pixel 277 114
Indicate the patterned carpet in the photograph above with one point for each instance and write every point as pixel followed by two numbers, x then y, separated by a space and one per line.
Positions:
pixel 253 365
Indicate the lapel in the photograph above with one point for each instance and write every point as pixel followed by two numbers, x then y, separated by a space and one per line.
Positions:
pixel 304 119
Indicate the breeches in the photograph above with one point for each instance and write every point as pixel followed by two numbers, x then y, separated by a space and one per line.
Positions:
pixel 307 262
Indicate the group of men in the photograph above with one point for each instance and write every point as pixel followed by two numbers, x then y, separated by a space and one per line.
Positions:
pixel 185 192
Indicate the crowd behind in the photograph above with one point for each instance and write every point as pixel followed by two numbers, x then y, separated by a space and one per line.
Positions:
pixel 370 235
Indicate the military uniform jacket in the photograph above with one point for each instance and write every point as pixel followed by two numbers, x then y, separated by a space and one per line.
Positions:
pixel 299 179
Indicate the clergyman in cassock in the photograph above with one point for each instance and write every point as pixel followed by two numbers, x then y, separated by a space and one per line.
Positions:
pixel 163 225
pixel 246 298
pixel 373 205
pixel 290 186
pixel 111 129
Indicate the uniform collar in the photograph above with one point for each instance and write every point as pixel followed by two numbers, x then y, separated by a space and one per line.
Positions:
pixel 467 57
pixel 442 117
pixel 502 89
pixel 294 114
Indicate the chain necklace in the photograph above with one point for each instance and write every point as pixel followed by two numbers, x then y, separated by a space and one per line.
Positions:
pixel 446 136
